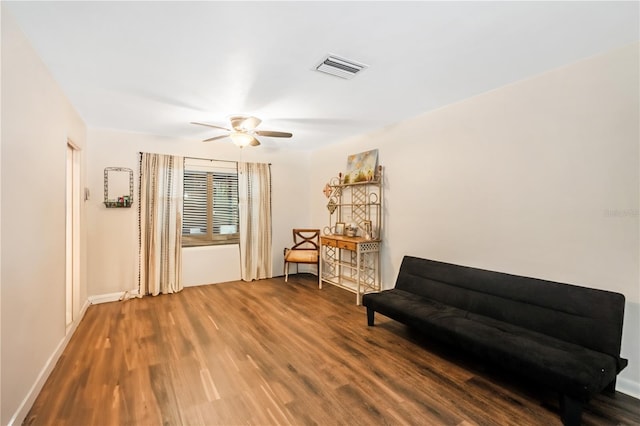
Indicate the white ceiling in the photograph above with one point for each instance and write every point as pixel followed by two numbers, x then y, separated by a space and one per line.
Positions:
pixel 153 67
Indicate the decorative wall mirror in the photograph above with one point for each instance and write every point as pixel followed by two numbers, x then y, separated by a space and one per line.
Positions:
pixel 118 187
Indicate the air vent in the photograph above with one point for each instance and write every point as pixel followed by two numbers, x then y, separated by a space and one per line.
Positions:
pixel 340 67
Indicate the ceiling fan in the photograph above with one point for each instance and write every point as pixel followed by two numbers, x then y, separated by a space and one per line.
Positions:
pixel 243 131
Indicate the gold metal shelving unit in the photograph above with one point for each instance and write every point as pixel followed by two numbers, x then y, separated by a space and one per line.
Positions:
pixel 351 259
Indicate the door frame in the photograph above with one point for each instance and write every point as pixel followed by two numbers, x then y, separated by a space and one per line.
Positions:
pixel 72 229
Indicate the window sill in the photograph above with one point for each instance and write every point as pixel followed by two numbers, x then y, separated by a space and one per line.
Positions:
pixel 204 243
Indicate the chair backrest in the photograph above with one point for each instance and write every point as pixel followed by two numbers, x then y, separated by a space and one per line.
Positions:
pixel 306 239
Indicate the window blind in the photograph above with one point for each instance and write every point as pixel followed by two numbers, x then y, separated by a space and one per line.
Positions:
pixel 210 213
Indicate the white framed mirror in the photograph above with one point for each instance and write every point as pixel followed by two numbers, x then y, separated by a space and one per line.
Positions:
pixel 118 187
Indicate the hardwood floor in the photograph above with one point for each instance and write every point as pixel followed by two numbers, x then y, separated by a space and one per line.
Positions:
pixel 271 352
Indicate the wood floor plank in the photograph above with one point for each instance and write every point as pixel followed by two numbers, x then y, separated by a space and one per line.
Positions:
pixel 276 353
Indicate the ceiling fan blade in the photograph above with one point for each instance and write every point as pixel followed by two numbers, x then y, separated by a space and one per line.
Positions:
pixel 251 123
pixel 215 138
pixel 236 122
pixel 211 125
pixel 254 142
pixel 273 134
pixel 240 122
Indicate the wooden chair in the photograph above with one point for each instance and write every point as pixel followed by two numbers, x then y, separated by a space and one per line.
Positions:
pixel 306 249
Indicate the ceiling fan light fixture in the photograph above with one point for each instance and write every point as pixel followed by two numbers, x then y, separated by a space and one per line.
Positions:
pixel 243 131
pixel 241 139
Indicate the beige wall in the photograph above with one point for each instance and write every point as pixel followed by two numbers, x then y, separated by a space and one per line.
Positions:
pixel 113 242
pixel 538 178
pixel 37 119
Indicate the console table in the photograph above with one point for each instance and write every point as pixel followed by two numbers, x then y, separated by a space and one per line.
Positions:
pixel 351 263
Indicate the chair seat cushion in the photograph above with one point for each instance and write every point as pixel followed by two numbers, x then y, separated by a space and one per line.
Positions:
pixel 301 256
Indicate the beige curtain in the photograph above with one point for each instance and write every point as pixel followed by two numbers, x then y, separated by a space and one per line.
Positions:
pixel 254 192
pixel 161 178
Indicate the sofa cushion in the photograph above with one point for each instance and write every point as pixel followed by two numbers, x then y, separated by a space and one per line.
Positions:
pixel 570 368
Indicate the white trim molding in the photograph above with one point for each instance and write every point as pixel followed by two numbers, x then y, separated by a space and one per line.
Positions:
pixel 113 297
pixel 628 387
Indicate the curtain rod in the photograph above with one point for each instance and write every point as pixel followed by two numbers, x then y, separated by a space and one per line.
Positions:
pixel 207 159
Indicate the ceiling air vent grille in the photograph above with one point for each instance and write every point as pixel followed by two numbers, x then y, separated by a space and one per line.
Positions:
pixel 340 67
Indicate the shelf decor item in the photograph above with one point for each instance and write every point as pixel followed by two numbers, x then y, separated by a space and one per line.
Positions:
pixel 367 229
pixel 361 167
pixel 327 190
pixel 332 206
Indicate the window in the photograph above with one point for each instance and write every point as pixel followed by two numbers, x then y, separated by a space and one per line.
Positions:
pixel 210 203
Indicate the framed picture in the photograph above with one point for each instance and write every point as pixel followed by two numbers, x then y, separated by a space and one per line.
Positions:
pixel 339 228
pixel 361 167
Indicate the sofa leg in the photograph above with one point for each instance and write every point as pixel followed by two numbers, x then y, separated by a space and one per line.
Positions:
pixel 370 314
pixel 610 390
pixel 570 410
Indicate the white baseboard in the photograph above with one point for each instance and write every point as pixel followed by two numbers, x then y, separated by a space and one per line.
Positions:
pixel 112 297
pixel 628 387
pixel 31 396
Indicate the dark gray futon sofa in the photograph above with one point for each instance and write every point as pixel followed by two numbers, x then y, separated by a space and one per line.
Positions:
pixel 564 337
